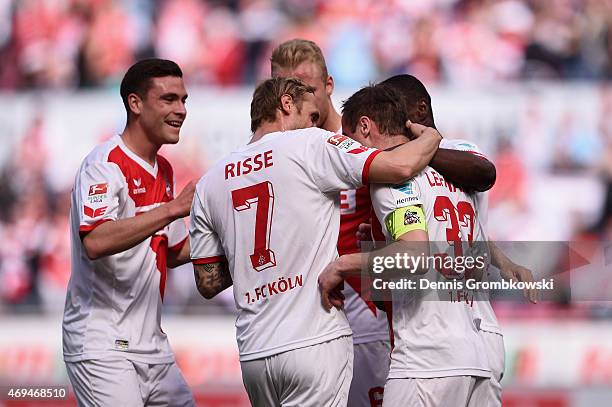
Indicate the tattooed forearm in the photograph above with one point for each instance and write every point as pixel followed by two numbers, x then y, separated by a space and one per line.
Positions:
pixel 212 278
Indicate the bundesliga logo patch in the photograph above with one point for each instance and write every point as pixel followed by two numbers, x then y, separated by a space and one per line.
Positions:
pixel 97 193
pixel 346 143
pixel 336 139
pixel 98 189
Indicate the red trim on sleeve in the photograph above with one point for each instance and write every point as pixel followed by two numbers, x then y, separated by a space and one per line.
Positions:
pixel 208 260
pixel 177 247
pixel 366 167
pixel 85 229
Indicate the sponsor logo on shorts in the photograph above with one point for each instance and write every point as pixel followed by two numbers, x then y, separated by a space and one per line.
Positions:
pixel 122 344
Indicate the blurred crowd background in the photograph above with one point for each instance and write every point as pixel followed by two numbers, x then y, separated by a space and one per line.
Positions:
pixel 528 80
pixel 86 46
pixel 89 43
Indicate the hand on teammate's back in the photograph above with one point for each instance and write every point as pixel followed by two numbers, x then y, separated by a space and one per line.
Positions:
pixel 330 281
pixel 419 130
pixel 364 233
pixel 181 205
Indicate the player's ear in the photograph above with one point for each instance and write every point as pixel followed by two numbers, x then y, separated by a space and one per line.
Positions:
pixel 422 111
pixel 329 86
pixel 286 103
pixel 364 126
pixel 135 103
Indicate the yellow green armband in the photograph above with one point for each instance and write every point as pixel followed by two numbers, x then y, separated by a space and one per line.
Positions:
pixel 404 220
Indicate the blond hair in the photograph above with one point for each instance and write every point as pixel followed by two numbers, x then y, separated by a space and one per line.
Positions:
pixel 267 98
pixel 292 53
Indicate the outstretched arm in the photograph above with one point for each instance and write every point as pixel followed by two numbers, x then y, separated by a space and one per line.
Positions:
pixel 212 278
pixel 117 236
pixel 509 270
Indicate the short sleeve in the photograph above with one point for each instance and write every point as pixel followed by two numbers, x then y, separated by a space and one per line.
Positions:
pixel 388 199
pixel 205 243
pixel 177 235
pixel 339 162
pixel 98 189
pixel 177 231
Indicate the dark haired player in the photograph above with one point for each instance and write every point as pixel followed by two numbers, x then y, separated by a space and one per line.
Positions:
pixel 437 358
pixel 126 229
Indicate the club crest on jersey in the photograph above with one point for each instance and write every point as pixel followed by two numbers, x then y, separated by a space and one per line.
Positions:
pixel 411 217
pixel 139 189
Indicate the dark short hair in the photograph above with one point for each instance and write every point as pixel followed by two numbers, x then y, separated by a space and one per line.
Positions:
pixel 410 88
pixel 381 103
pixel 138 77
pixel 267 98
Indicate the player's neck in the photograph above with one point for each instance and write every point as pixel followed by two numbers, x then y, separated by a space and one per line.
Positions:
pixel 135 139
pixel 392 141
pixel 266 128
pixel 333 122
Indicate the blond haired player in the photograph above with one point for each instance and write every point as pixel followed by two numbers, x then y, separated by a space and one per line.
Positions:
pixel 265 218
pixel 304 59
pixel 126 229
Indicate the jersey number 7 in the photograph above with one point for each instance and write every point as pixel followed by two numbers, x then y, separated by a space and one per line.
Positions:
pixel 261 194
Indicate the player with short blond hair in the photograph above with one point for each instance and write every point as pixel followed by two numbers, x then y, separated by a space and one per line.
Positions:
pixel 304 59
pixel 265 219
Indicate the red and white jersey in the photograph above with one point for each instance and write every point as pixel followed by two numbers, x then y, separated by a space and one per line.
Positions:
pixel 368 323
pixel 272 209
pixel 113 304
pixel 483 312
pixel 434 334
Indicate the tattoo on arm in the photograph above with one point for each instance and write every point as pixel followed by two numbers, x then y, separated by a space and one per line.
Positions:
pixel 212 278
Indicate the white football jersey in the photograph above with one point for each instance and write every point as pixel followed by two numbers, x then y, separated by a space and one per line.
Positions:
pixel 483 311
pixel 272 209
pixel 435 334
pixel 113 304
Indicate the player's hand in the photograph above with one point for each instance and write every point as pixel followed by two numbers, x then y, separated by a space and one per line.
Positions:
pixel 364 232
pixel 514 272
pixel 181 205
pixel 418 130
pixel 330 282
